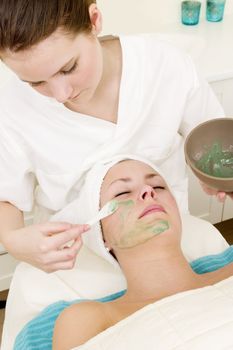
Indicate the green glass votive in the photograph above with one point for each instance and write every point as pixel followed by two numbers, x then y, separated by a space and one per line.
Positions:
pixel 215 10
pixel 190 12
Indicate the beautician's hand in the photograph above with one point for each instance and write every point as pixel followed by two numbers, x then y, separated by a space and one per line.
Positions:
pixel 42 245
pixel 221 196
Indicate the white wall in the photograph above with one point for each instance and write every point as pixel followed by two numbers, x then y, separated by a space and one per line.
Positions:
pixel 130 16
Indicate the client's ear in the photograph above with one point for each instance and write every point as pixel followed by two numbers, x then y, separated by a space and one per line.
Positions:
pixel 105 243
pixel 107 248
pixel 110 250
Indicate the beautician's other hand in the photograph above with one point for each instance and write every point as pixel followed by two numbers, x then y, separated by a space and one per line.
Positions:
pixel 41 245
pixel 221 196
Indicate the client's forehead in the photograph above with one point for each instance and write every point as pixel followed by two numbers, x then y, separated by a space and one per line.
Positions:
pixel 128 168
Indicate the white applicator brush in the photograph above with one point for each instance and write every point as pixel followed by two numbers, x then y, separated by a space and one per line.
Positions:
pixel 108 209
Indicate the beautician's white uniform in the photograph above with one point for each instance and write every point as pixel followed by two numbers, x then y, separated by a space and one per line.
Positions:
pixel 46 148
pixel 44 143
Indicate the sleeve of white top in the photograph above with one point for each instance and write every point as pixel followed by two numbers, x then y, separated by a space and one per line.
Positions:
pixel 17 181
pixel 202 104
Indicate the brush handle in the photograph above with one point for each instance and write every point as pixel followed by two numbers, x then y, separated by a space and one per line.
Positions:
pixel 108 209
pixel 94 220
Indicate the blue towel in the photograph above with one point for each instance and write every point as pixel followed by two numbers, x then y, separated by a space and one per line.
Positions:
pixel 213 262
pixel 38 333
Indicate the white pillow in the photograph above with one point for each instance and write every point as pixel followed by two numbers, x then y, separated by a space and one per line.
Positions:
pixel 200 238
pixel 2 249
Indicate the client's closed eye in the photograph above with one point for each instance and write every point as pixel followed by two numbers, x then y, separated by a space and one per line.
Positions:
pixel 158 187
pixel 121 193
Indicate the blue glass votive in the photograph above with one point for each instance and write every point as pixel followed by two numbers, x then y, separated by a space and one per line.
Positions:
pixel 190 12
pixel 215 10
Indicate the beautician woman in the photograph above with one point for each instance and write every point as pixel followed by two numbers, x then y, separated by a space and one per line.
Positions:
pixel 75 98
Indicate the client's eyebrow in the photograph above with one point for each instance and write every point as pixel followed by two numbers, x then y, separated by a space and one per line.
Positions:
pixel 128 179
pixel 61 69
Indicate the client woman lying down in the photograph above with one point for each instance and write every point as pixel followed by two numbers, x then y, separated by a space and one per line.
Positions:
pixel 143 236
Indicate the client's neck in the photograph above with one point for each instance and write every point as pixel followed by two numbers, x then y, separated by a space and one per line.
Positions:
pixel 154 274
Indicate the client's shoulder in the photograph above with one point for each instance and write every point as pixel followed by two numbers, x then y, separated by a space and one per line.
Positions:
pixel 78 323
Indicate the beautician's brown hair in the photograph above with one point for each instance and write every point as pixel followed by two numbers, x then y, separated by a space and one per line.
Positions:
pixel 24 23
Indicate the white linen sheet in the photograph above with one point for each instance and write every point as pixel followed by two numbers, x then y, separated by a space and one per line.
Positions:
pixel 32 289
pixel 194 320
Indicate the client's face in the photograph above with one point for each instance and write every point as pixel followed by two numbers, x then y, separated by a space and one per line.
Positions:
pixel 146 206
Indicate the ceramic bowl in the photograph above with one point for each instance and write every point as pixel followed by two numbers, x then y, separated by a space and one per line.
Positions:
pixel 198 144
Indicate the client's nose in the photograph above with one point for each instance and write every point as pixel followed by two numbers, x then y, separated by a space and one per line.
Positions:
pixel 147 191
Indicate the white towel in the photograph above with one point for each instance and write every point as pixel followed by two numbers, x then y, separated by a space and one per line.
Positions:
pixel 197 319
pixel 86 205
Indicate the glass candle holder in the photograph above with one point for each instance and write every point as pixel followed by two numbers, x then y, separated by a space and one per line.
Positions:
pixel 215 10
pixel 190 12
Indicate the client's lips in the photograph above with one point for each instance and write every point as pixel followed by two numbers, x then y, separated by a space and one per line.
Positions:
pixel 152 209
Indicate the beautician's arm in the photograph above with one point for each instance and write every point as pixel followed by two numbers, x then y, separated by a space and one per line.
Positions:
pixel 39 245
pixel 11 218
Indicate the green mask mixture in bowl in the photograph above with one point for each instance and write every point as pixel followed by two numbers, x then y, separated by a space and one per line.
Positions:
pixel 209 153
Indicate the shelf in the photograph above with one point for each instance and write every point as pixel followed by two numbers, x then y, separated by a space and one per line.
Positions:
pixel 215 57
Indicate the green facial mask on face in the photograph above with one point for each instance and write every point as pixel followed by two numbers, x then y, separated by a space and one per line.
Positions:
pixel 162 226
pixel 126 205
pixel 141 232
